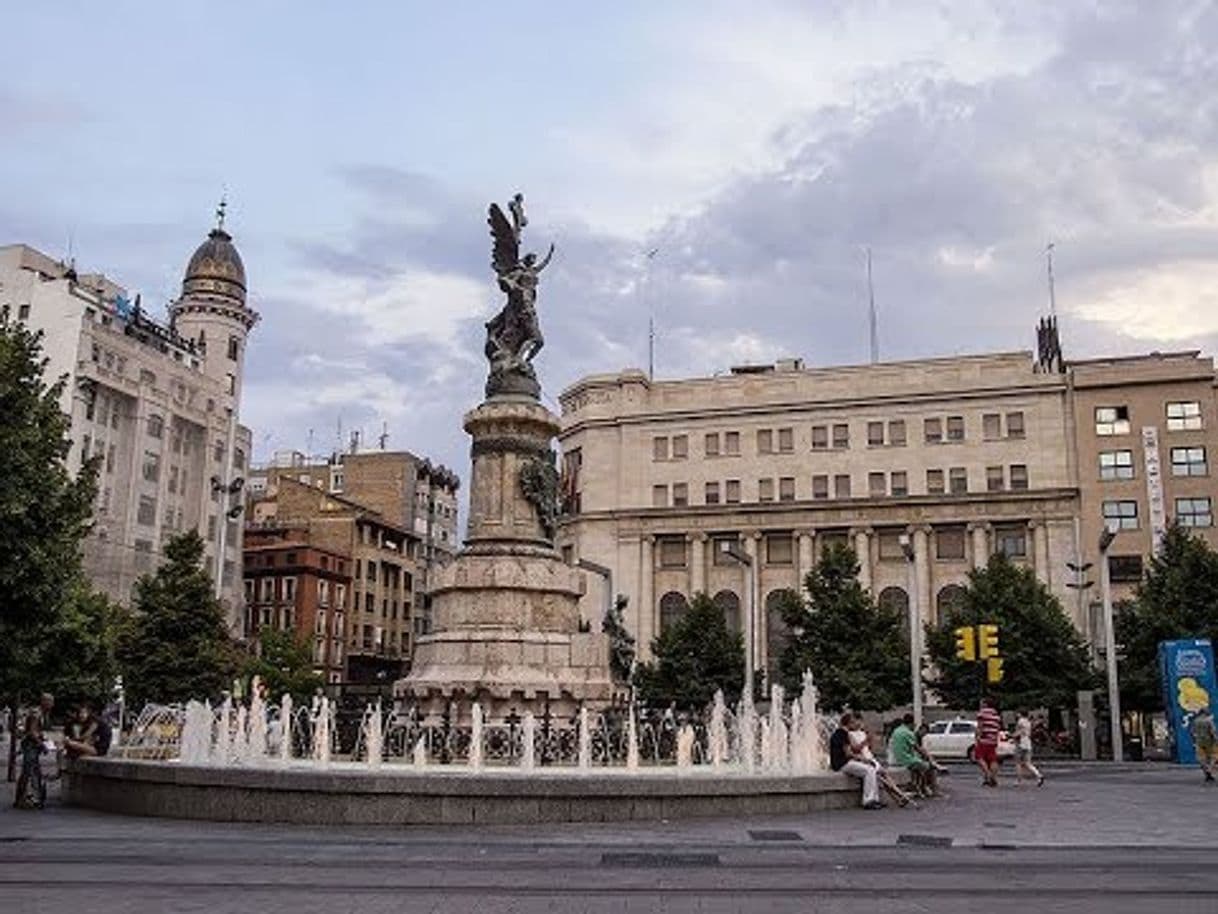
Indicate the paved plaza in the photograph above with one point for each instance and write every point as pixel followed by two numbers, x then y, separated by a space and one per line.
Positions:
pixel 1095 838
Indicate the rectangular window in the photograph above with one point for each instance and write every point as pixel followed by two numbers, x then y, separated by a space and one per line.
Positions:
pixel 765 490
pixel 1194 512
pixel 1019 477
pixel 779 549
pixel 659 448
pixel 711 444
pixel 955 428
pixel 1112 420
pixel 289 589
pixel 323 593
pixel 267 587
pixel 1125 569
pixel 991 426
pixel 1121 515
pixel 875 434
pixel 1188 461
pixel 659 496
pixel 841 485
pixel 889 545
pixel 110 455
pixel 680 494
pixel 786 440
pixel 899 483
pixel 1015 425
pixel 896 433
pixel 152 466
pixel 173 479
pixel 949 544
pixel 156 426
pixel 731 492
pixel 1011 542
pixel 820 437
pixel 319 622
pixel 957 478
pixel 146 513
pixel 877 484
pixel 932 430
pixel 1183 415
pixel 765 441
pixel 786 488
pixel 720 545
pixel 712 493
pixel 820 486
pixel 1116 464
pixel 995 479
pixel 731 444
pixel 841 436
pixel 672 552
pixel 934 482
pixel 234 347
pixel 680 447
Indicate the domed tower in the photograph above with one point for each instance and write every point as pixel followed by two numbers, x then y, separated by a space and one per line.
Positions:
pixel 212 310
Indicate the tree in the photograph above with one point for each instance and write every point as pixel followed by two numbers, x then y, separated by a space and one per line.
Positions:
pixel 177 646
pixel 855 649
pixel 1045 662
pixel 1177 598
pixel 44 512
pixel 80 655
pixel 621 642
pixel 285 664
pixel 693 658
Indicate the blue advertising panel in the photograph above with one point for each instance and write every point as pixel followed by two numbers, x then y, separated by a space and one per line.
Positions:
pixel 1186 672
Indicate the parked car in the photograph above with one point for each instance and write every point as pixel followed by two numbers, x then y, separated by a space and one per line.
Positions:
pixel 955 739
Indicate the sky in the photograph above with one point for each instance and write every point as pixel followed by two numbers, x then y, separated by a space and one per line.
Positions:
pixel 760 149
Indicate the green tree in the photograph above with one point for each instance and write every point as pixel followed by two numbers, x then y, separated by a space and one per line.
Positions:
pixel 621 642
pixel 177 646
pixel 80 649
pixel 285 664
pixel 1178 598
pixel 692 659
pixel 1044 660
pixel 44 513
pixel 855 649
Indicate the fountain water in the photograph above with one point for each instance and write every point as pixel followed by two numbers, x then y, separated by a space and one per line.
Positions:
pixel 321 731
pixel 632 741
pixel 220 754
pixel 746 735
pixel 285 729
pixel 585 740
pixel 528 736
pixel 717 735
pixel 475 737
pixel 419 755
pixel 685 747
pixel 374 735
pixel 256 734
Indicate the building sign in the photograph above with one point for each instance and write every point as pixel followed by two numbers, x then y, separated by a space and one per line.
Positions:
pixel 1154 485
pixel 1186 675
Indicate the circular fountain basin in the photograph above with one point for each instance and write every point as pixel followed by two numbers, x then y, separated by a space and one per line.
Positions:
pixel 395 794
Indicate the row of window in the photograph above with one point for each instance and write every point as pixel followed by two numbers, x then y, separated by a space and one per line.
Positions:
pixel 1122 514
pixel 836 436
pixel 1181 415
pixel 894 484
pixel 1185 461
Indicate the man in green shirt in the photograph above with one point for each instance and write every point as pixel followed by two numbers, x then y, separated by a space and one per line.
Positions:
pixel 909 754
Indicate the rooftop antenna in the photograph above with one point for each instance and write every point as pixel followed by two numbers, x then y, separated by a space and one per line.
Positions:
pixel 338 440
pixel 309 446
pixel 354 441
pixel 651 315
pixel 220 211
pixel 1052 291
pixel 384 436
pixel 875 333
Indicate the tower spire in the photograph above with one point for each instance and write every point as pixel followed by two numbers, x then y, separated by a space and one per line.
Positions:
pixel 221 210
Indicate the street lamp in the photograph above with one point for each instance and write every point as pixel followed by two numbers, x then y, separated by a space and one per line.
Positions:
pixel 915 639
pixel 1114 692
pixel 733 550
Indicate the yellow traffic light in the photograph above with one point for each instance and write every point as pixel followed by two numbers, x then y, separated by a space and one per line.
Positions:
pixel 966 643
pixel 993 669
pixel 987 641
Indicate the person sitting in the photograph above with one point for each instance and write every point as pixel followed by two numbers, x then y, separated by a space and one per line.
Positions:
pixel 861 743
pixel 907 752
pixel 844 758
pixel 85 734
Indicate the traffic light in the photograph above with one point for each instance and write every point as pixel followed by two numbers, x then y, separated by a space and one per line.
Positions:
pixel 987 641
pixel 993 669
pixel 966 643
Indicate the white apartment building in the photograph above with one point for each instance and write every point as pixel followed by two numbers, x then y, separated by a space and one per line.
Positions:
pixel 157 402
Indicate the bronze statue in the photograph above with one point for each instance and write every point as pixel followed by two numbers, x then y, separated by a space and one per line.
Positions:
pixel 513 336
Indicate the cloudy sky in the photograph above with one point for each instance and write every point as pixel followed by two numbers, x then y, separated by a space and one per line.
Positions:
pixel 760 147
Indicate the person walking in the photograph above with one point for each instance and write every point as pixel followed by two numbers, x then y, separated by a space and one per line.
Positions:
pixel 1023 750
pixel 1205 741
pixel 985 749
pixel 844 758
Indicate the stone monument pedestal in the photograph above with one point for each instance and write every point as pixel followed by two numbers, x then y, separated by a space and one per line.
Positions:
pixel 505 612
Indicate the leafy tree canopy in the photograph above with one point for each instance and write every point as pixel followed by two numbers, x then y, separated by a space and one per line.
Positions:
pixel 1045 662
pixel 856 650
pixel 692 659
pixel 285 664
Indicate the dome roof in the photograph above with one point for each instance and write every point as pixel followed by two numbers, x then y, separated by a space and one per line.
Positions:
pixel 215 270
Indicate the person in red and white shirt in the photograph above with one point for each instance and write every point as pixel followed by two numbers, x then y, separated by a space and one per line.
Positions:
pixel 985 750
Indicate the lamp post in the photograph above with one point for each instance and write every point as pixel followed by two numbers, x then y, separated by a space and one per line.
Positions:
pixel 1114 691
pixel 915 639
pixel 733 550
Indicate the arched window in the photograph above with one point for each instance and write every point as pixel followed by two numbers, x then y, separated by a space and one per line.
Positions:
pixel 950 597
pixel 729 604
pixel 895 599
pixel 673 606
pixel 777 634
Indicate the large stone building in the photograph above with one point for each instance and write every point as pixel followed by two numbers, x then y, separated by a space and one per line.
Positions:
pixel 925 467
pixel 157 403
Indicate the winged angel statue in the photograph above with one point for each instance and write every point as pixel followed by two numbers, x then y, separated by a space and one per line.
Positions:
pixel 513 336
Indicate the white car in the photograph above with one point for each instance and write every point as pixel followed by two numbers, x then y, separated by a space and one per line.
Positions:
pixel 955 738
